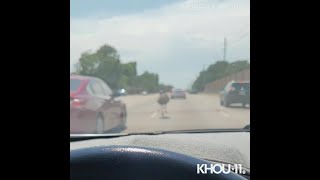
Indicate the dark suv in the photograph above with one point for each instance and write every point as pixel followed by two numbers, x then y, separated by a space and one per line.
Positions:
pixel 235 92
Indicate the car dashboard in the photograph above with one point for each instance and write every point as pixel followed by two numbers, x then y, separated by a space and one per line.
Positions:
pixel 226 147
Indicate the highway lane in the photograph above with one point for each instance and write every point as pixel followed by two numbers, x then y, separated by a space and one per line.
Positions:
pixel 198 111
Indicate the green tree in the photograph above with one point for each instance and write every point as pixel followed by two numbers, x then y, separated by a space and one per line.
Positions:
pixel 218 70
pixel 147 81
pixel 129 69
pixel 165 88
pixel 237 66
pixel 123 82
pixel 104 63
pixel 128 74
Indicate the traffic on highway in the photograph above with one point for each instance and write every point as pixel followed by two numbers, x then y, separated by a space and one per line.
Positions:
pixel 117 77
pixel 95 108
pixel 163 84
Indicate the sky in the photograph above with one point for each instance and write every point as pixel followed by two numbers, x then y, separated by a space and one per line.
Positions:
pixel 174 38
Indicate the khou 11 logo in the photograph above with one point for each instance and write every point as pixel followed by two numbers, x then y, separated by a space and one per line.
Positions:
pixel 220 168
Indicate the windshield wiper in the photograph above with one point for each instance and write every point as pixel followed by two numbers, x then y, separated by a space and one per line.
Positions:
pixel 247 127
pixel 194 131
pixel 80 137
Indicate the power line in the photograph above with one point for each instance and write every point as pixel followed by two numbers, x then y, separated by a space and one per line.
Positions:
pixel 242 29
pixel 240 38
pixel 244 32
pixel 226 45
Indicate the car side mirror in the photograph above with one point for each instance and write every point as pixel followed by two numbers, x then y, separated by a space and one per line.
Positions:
pixel 114 95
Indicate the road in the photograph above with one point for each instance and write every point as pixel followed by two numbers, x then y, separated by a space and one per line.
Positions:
pixel 198 111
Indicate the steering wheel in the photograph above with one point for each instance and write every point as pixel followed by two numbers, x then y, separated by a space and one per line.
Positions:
pixel 130 162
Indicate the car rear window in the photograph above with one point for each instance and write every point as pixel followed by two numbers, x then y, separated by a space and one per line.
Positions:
pixel 74 84
pixel 178 92
pixel 238 86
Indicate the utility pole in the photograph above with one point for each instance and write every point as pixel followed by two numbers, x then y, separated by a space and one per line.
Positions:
pixel 225 49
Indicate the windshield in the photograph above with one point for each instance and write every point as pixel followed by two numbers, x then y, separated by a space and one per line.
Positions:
pixel 238 86
pixel 159 65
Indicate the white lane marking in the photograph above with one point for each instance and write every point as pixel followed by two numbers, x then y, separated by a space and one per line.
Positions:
pixel 225 114
pixel 153 115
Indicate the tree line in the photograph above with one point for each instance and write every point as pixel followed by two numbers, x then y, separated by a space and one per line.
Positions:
pixel 217 71
pixel 105 64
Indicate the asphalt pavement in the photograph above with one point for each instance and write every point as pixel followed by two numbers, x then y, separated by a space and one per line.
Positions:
pixel 197 111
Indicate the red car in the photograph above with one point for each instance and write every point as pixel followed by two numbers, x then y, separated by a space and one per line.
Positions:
pixel 93 107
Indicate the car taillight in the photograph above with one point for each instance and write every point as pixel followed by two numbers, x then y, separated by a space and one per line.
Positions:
pixel 77 102
pixel 232 89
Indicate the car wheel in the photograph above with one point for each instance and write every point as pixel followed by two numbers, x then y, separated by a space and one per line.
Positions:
pixel 226 103
pixel 100 125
